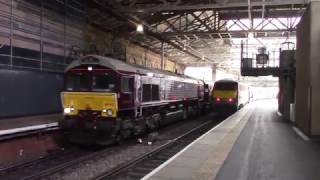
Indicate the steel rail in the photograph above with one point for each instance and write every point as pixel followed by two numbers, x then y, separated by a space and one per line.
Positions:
pixel 125 166
pixel 60 167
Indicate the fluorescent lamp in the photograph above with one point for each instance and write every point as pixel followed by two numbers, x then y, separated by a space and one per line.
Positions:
pixel 140 28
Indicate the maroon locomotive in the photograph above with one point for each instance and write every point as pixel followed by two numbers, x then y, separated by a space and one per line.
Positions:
pixel 105 100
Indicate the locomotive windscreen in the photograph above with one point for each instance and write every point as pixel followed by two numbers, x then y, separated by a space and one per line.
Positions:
pixel 78 81
pixel 87 81
pixel 103 82
pixel 225 86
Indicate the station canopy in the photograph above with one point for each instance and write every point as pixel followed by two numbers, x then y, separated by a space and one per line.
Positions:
pixel 201 32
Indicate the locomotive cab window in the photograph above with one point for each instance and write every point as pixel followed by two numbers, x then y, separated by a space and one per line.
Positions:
pixel 225 86
pixel 127 84
pixel 103 82
pixel 77 81
pixel 86 81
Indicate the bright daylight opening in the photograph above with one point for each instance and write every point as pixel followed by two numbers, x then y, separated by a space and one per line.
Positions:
pixel 203 73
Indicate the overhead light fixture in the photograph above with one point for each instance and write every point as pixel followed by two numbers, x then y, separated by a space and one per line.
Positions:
pixel 166 13
pixel 250 35
pixel 140 28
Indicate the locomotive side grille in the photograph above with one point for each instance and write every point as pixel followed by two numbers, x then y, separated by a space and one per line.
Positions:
pixel 183 90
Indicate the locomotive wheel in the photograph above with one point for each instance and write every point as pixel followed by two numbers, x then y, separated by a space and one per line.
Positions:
pixel 119 138
pixel 185 114
pixel 153 122
pixel 126 133
pixel 122 135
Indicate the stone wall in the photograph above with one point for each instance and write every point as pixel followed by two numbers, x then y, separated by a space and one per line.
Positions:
pixel 107 44
pixel 64 36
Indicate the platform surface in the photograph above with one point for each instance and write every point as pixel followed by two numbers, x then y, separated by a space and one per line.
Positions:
pixel 269 149
pixel 253 144
pixel 28 121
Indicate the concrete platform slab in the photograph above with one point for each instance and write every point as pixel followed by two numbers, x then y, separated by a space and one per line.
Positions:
pixel 15 125
pixel 203 158
pixel 253 144
pixel 269 148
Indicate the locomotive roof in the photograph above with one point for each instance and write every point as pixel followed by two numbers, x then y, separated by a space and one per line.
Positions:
pixel 231 81
pixel 226 81
pixel 118 65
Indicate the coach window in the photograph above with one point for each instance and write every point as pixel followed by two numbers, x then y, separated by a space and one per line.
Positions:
pixel 126 84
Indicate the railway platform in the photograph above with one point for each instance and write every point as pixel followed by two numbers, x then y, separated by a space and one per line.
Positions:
pixel 9 126
pixel 254 143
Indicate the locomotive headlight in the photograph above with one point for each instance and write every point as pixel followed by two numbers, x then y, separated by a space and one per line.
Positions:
pixel 68 110
pixel 109 112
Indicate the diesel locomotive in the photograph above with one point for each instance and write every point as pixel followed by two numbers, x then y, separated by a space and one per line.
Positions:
pixel 105 100
pixel 228 96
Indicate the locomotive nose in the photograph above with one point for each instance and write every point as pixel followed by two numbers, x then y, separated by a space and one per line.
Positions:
pixel 104 103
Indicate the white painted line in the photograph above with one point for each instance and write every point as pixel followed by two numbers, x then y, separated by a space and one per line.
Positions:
pixel 184 149
pixel 301 134
pixel 28 128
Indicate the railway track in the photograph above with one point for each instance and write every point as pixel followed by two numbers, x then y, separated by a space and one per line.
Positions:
pixel 139 167
pixel 58 163
pixel 44 167
pixel 22 147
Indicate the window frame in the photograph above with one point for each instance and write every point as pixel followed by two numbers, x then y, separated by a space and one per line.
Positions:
pixel 130 86
pixel 94 80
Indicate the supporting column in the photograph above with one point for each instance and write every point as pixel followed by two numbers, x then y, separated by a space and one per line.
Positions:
pixel 41 34
pixel 214 73
pixel 65 32
pixel 162 56
pixel 11 34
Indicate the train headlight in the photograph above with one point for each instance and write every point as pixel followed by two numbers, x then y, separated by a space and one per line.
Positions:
pixel 109 112
pixel 68 110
